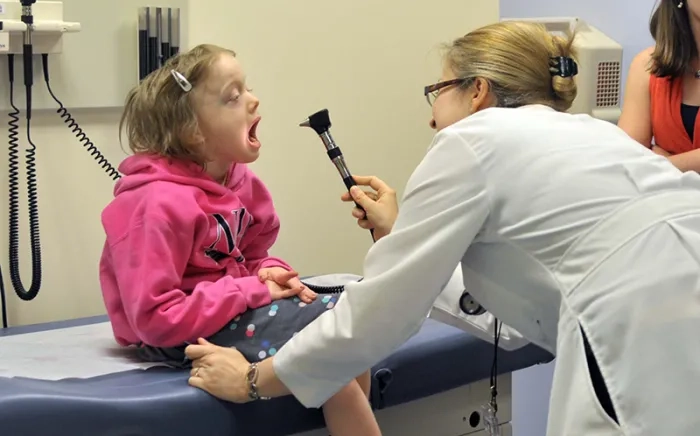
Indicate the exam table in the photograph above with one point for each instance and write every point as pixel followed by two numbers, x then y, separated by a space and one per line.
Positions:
pixel 433 385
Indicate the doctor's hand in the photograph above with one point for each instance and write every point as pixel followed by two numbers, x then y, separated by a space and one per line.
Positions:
pixel 285 284
pixel 380 205
pixel 219 371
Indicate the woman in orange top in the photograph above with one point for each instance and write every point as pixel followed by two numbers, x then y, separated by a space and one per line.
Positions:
pixel 662 94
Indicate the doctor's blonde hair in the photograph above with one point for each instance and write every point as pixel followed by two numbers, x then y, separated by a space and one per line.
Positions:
pixel 159 116
pixel 515 58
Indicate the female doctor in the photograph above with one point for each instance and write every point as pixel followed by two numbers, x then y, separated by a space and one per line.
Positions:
pixel 566 230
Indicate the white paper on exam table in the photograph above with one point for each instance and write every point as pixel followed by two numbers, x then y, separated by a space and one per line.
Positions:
pixel 74 352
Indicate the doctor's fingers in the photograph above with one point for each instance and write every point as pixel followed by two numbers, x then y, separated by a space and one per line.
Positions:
pixel 225 381
pixel 359 213
pixel 204 365
pixel 202 362
pixel 196 370
pixel 197 379
pixel 375 183
pixel 204 348
pixel 365 224
pixel 194 352
pixel 347 197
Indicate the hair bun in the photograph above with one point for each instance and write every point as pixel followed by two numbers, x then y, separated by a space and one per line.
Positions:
pixel 564 89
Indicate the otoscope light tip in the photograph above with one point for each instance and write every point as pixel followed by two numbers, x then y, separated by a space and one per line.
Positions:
pixel 320 121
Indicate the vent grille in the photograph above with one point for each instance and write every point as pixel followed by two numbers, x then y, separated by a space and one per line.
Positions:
pixel 608 84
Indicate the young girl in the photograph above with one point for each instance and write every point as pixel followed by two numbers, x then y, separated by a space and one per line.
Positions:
pixel 188 232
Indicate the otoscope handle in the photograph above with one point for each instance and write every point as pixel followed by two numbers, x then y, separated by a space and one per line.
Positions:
pixel 336 157
pixel 320 122
pixel 349 183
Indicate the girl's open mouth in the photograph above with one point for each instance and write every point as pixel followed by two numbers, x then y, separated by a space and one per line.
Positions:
pixel 253 133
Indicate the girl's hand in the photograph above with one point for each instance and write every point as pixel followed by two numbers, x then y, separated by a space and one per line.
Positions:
pixel 285 284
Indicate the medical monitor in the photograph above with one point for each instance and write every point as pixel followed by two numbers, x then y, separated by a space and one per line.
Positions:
pixel 599 58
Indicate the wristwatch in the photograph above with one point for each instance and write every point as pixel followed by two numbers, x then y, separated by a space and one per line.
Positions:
pixel 251 378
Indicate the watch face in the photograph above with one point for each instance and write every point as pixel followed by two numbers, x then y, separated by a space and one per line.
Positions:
pixel 469 305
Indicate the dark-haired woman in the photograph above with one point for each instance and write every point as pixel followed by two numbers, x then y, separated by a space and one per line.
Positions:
pixel 662 94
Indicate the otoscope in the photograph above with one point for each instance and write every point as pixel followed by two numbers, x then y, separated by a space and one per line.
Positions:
pixel 321 123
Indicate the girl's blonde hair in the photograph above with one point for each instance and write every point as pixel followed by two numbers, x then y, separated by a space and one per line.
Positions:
pixel 159 115
pixel 516 58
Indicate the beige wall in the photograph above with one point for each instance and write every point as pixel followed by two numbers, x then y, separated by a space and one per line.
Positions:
pixel 365 60
pixel 72 192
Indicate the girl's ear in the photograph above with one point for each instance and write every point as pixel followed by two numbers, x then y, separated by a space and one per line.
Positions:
pixel 191 137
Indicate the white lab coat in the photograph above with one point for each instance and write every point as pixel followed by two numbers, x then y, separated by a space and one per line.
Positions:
pixel 562 223
pixel 446 309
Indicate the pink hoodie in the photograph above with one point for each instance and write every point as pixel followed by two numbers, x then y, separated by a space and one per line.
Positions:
pixel 182 251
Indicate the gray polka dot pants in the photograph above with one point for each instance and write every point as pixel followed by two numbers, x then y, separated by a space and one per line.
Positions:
pixel 257 333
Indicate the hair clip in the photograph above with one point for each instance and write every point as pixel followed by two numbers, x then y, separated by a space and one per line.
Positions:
pixel 180 79
pixel 563 66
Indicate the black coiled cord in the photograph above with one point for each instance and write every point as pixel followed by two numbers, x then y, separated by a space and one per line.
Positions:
pixel 21 292
pixel 324 289
pixel 3 301
pixel 75 128
pixel 321 289
pixel 13 130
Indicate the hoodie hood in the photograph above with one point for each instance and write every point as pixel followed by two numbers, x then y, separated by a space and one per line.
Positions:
pixel 140 169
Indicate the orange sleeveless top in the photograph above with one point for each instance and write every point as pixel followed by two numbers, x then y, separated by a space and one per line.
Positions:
pixel 666 122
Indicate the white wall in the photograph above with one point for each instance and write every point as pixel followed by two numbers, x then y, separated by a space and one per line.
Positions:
pixel 625 21
pixel 368 69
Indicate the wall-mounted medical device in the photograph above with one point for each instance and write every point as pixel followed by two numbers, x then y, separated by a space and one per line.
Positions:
pixel 39 24
pixel 599 59
pixel 158 36
pixel 29 27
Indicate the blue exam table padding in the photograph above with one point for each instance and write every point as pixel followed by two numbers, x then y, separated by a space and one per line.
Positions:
pixel 158 401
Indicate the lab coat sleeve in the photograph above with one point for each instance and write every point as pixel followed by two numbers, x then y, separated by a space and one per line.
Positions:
pixel 445 206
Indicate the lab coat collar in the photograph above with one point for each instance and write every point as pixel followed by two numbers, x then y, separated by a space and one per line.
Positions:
pixel 486 112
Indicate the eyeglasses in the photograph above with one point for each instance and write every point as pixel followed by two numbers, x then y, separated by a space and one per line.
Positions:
pixel 431 92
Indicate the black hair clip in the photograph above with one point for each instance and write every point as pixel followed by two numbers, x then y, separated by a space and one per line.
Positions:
pixel 563 66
